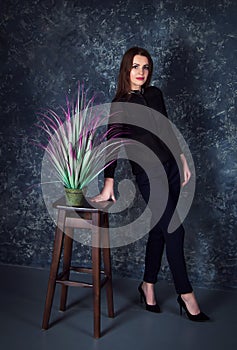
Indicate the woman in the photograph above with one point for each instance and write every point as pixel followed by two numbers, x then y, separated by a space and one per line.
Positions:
pixel 133 87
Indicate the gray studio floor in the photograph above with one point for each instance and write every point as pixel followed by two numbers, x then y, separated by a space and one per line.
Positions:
pixel 22 302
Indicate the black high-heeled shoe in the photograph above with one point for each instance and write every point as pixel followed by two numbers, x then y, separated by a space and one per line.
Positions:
pixel 151 308
pixel 201 317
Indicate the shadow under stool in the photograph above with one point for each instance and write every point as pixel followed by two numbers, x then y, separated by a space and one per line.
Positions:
pixel 96 220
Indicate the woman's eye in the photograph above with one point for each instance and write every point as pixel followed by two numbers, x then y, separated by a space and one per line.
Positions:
pixel 137 66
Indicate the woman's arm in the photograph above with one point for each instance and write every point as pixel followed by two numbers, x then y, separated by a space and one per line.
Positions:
pixel 115 130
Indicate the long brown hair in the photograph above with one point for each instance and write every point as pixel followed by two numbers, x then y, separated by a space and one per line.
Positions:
pixel 124 85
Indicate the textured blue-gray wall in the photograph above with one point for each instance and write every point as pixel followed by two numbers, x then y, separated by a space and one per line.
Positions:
pixel 47 46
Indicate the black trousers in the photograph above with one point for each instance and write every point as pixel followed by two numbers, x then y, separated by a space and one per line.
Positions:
pixel 159 237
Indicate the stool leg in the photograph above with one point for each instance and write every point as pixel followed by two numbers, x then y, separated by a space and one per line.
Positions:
pixel 67 256
pixel 107 266
pixel 96 255
pixel 54 268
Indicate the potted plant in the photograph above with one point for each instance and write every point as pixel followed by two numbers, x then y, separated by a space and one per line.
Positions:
pixel 75 148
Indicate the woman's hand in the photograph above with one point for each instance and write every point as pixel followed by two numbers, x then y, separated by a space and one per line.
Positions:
pixel 186 170
pixel 107 193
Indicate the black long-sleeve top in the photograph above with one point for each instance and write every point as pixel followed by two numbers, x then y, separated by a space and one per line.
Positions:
pixel 151 97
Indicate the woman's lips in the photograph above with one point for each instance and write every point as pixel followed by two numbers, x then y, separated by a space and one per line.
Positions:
pixel 140 78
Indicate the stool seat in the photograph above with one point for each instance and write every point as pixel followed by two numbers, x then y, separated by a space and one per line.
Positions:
pixel 96 220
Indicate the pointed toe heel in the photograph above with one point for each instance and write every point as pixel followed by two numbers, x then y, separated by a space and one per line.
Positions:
pixel 201 317
pixel 152 308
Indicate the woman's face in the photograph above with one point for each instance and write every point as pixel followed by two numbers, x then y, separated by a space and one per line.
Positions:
pixel 139 72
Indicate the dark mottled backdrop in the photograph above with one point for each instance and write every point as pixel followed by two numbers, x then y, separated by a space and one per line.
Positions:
pixel 47 46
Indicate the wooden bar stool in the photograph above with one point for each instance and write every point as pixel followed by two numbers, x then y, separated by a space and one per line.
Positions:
pixel 70 218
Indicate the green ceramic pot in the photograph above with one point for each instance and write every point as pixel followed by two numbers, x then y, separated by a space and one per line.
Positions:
pixel 74 197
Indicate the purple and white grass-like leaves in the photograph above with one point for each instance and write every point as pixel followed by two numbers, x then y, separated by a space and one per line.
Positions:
pixel 76 149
